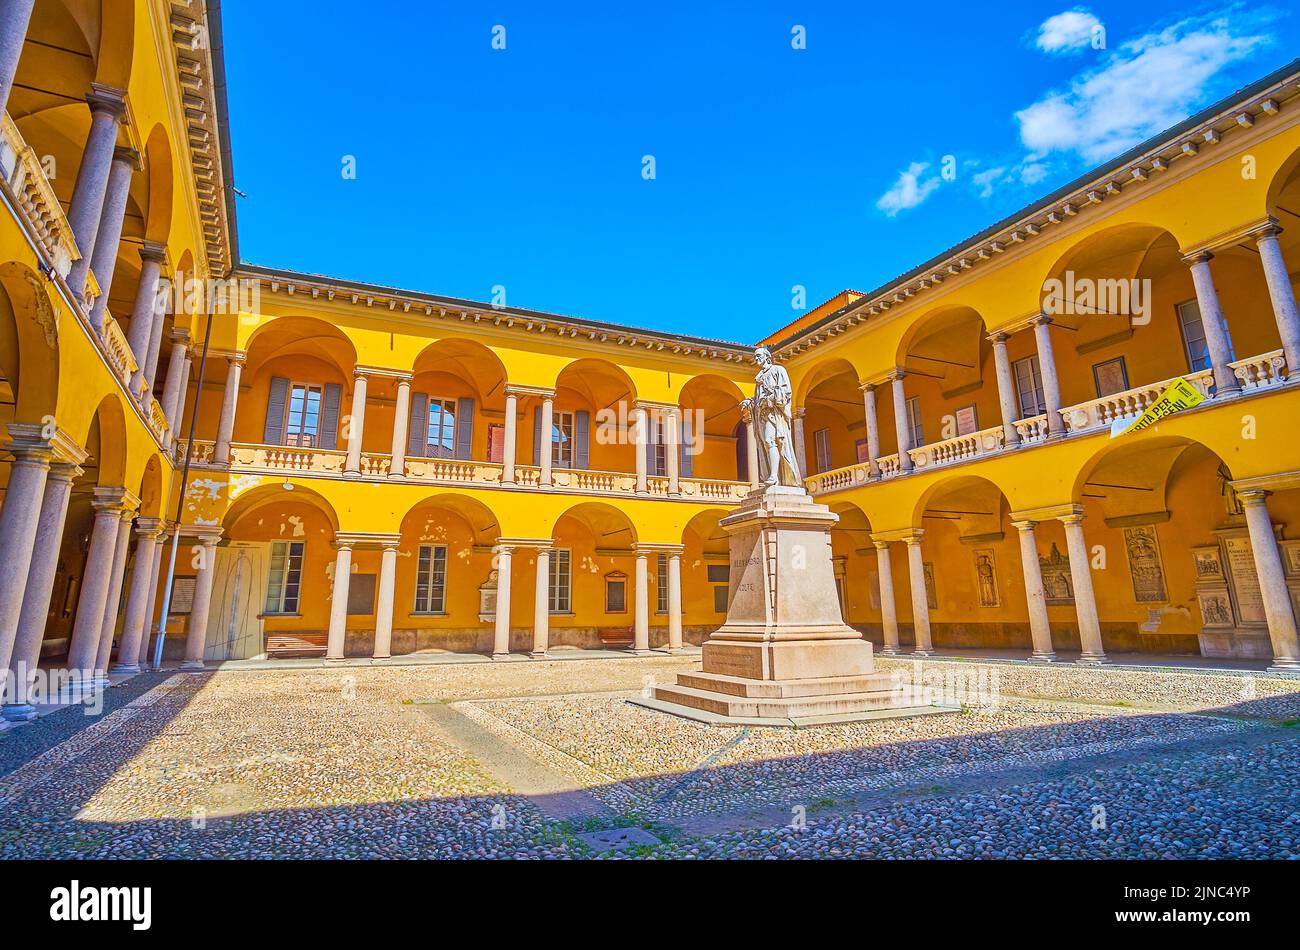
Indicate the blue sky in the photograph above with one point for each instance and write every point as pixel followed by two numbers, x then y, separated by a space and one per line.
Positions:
pixel 774 167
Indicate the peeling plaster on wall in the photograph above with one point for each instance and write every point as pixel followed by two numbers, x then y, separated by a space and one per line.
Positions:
pixel 1155 615
pixel 203 489
pixel 589 564
pixel 466 553
pixel 401 553
pixel 242 483
pixel 295 522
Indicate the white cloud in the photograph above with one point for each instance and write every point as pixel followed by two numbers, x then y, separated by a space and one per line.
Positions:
pixel 986 181
pixel 1067 32
pixel 909 190
pixel 1145 86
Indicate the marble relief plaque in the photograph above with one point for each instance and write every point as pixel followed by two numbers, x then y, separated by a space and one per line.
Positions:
pixel 1148 574
pixel 1241 568
pixel 986 577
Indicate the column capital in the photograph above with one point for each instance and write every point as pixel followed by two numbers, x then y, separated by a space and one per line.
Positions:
pixel 999 337
pixel 181 335
pixel 654 547
pixel 236 357
pixel 897 374
pixel 512 543
pixel 1072 518
pixel 365 370
pixel 65 471
pixel 800 412
pixel 354 539
pixel 1040 320
pixel 114 499
pixel 869 386
pixel 128 156
pixel 1024 526
pixel 150 527
pixel 516 389
pixel 880 544
pixel 1254 497
pixel 106 100
pixel 644 404
pixel 910 535
pixel 1197 257
pixel 1269 230
pixel 154 251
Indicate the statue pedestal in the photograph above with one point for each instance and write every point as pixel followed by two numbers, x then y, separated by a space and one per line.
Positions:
pixel 785 655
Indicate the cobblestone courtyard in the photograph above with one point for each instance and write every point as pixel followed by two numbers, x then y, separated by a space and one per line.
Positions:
pixel 537 759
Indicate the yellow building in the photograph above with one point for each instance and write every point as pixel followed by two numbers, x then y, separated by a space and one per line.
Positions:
pixel 378 472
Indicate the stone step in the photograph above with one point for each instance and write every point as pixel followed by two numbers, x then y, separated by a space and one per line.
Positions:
pixel 786 689
pixel 798 707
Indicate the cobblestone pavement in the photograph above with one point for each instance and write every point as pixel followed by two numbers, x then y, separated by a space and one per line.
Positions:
pixel 527 759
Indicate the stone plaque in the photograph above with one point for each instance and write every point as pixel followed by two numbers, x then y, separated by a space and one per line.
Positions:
pixel 1209 564
pixel 931 594
pixel 986 577
pixel 1058 586
pixel 1215 609
pixel 1143 549
pixel 1241 567
pixel 182 596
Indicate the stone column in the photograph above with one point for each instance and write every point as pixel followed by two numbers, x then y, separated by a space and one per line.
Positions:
pixel 164 302
pixel 638 446
pixel 873 428
pixel 501 632
pixel 40 585
pixel 356 426
pixel 19 522
pixel 888 610
pixel 154 572
pixel 542 603
pixel 83 648
pixel 1047 368
pixel 1006 389
pixel 1040 630
pixel 108 626
pixel 641 604
pixel 140 597
pixel 1272 581
pixel 1085 602
pixel 173 391
pixel 197 634
pixel 920 595
pixel 800 443
pixel 401 423
pixel 178 411
pixel 106 108
pixel 672 458
pixel 15 15
pixel 900 420
pixel 511 440
pixel 338 630
pixel 229 403
pixel 146 317
pixel 126 162
pixel 674 601
pixel 544 441
pixel 751 454
pixel 1212 322
pixel 384 608
pixel 1281 293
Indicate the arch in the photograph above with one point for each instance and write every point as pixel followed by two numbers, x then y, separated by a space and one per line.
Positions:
pixel 601 383
pixel 1121 252
pixel 245 502
pixel 704 527
pixel 468 360
pixel 29 351
pixel 152 497
pixel 976 503
pixel 947 343
pixel 1285 180
pixel 1131 476
pixel 159 182
pixel 106 441
pixel 820 373
pixel 301 336
pixel 484 527
pixel 116 51
pixel 711 427
pixel 608 525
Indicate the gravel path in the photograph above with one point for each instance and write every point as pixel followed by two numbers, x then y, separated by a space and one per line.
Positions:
pixel 519 760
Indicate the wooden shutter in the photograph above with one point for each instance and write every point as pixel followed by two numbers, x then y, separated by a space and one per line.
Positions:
pixel 582 440
pixel 417 440
pixel 537 435
pixel 273 431
pixel 329 416
pixel 464 428
pixel 684 449
pixel 651 440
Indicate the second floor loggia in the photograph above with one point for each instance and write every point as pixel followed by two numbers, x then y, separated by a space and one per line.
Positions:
pixel 296 401
pixel 1224 319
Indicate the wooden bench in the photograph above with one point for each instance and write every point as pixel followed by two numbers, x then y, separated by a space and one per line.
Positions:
pixel 615 636
pixel 296 644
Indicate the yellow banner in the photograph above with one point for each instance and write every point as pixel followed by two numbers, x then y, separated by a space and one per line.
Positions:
pixel 1179 396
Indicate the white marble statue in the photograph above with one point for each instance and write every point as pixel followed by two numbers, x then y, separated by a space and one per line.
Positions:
pixel 771 415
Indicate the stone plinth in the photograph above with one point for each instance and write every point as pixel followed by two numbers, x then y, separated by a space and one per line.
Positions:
pixel 785 656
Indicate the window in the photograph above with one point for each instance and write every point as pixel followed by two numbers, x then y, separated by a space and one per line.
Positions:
pixel 616 593
pixel 496 443
pixel 431 580
pixel 661 584
pixel 302 415
pixel 914 422
pixel 561 596
pixel 967 419
pixel 822 448
pixel 1029 387
pixel 1197 350
pixel 720 600
pixel 285 583
pixel 561 442
pixel 720 575
pixel 656 450
pixel 861 452
pixel 441 440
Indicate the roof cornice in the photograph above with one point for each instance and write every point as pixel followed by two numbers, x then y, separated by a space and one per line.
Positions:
pixel 1191 139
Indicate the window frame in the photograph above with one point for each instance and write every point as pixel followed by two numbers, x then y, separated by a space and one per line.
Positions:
pixel 562 424
pixel 448 408
pixel 556 604
pixel 822 449
pixel 1035 381
pixel 429 566
pixel 283 552
pixel 915 429
pixel 314 437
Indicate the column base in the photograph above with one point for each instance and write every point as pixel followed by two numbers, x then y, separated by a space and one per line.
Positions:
pixel 641 652
pixel 923 653
pixel 538 655
pixel 381 656
pixel 192 665
pixel 126 669
pixel 328 659
pixel 1092 659
pixel 509 482
pixel 398 475
pixel 18 712
pixel 351 474
pixel 887 650
pixel 1037 657
pixel 671 651
pixel 1284 666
